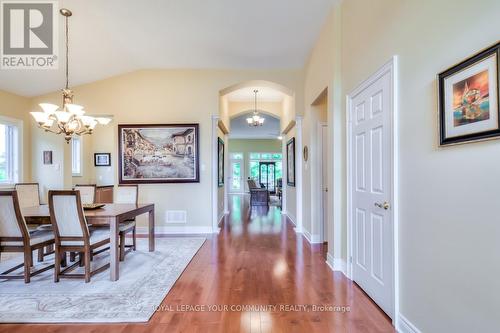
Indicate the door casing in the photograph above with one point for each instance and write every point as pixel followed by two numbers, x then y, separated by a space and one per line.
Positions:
pixel 391 66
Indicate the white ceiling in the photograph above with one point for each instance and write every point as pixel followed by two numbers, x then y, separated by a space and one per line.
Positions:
pixel 110 37
pixel 241 130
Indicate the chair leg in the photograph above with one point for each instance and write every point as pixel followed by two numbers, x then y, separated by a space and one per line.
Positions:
pixel 81 259
pixel 134 238
pixel 28 258
pixel 122 246
pixel 64 261
pixel 57 263
pixel 87 265
pixel 40 255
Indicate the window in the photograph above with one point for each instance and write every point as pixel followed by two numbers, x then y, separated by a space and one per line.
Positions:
pixel 257 158
pixel 9 151
pixel 236 156
pixel 76 156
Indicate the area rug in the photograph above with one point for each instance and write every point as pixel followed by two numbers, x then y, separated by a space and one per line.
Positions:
pixel 145 279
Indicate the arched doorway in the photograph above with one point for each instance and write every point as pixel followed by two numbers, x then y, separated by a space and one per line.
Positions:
pixel 275 103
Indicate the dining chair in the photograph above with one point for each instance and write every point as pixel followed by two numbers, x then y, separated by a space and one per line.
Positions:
pixel 28 194
pixel 15 237
pixel 127 194
pixel 73 235
pixel 87 193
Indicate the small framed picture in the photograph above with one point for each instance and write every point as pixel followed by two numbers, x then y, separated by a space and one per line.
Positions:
pixel 468 99
pixel 102 159
pixel 290 161
pixel 47 157
pixel 220 159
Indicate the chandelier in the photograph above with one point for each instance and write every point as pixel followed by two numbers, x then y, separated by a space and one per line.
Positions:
pixel 255 120
pixel 69 120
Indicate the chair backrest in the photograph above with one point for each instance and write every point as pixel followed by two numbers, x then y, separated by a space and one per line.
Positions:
pixel 28 194
pixel 66 215
pixel 12 224
pixel 87 193
pixel 127 194
pixel 252 184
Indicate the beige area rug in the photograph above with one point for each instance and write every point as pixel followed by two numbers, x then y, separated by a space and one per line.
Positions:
pixel 145 279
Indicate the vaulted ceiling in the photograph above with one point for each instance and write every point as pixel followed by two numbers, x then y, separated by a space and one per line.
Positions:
pixel 111 37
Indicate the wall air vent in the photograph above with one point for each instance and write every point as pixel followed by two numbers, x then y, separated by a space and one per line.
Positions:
pixel 176 216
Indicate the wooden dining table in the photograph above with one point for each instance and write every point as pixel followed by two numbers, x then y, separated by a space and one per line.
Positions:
pixel 111 215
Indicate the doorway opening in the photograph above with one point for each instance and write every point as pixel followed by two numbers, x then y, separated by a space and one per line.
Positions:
pixel 317 120
pixel 254 150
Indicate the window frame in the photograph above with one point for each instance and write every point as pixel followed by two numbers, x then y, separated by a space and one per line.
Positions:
pixel 73 154
pixel 14 150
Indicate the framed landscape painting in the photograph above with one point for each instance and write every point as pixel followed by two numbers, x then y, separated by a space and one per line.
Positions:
pixel 468 99
pixel 290 162
pixel 220 160
pixel 158 153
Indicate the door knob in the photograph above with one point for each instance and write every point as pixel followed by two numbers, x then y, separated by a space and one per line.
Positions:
pixel 384 205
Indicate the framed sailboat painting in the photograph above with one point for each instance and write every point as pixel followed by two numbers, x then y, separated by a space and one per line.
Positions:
pixel 468 99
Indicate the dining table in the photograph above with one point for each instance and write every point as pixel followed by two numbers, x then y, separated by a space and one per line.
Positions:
pixel 110 215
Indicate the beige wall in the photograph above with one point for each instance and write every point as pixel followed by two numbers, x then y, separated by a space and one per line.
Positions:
pixel 157 97
pixel 448 221
pixel 16 107
pixel 436 231
pixel 311 211
pixel 321 86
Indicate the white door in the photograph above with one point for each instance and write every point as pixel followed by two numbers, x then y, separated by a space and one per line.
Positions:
pixel 371 179
pixel 324 182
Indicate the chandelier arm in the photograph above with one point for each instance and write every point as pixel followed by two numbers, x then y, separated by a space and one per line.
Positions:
pixel 84 131
pixel 48 129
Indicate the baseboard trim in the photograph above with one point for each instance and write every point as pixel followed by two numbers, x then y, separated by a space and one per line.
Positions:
pixel 312 239
pixel 291 218
pixel 177 230
pixel 405 326
pixel 221 217
pixel 336 265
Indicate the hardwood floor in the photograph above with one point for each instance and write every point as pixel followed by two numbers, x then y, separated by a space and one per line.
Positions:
pixel 257 259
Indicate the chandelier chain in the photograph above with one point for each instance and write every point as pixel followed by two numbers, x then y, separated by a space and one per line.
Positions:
pixel 67 52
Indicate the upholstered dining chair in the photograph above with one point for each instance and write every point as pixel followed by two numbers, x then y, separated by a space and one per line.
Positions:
pixel 73 235
pixel 87 193
pixel 127 194
pixel 28 194
pixel 15 237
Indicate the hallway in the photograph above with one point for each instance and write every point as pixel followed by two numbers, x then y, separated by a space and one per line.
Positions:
pixel 257 259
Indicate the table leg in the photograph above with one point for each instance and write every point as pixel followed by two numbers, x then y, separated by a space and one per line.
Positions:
pixel 114 260
pixel 151 230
